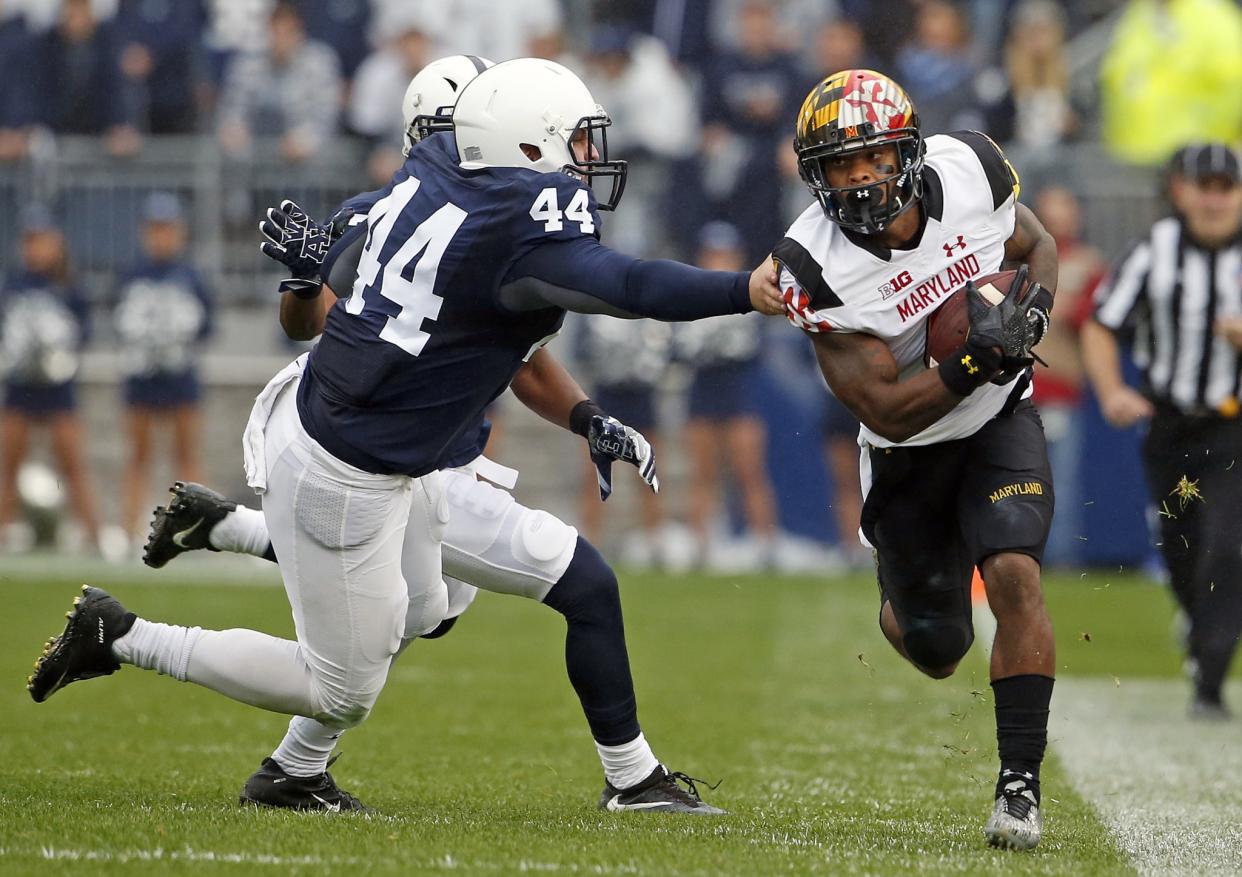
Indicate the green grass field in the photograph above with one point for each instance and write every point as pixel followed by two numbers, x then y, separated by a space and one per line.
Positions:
pixel 835 757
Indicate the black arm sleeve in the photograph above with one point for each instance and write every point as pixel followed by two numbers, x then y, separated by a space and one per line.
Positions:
pixel 340 265
pixel 584 276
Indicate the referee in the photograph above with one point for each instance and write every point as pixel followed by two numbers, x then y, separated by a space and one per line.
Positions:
pixel 1176 299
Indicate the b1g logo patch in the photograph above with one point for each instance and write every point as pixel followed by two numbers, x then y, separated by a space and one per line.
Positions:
pixel 1019 488
pixel 896 285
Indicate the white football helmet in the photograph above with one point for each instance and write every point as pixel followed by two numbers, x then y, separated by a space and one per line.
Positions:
pixel 536 103
pixel 432 93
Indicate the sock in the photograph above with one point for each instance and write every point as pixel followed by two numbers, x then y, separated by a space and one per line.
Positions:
pixel 1021 727
pixel 245 665
pixel 307 746
pixel 241 531
pixel 628 764
pixel 164 648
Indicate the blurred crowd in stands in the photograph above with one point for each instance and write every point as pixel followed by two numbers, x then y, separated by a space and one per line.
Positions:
pixel 703 94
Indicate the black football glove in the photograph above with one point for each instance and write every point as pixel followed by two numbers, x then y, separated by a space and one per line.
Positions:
pixel 1008 326
pixel 297 242
pixel 1040 314
pixel 609 439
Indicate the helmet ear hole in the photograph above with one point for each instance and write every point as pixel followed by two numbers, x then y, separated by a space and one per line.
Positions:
pixel 534 153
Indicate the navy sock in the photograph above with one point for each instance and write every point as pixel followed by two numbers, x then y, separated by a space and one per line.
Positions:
pixel 595 653
pixel 1021 727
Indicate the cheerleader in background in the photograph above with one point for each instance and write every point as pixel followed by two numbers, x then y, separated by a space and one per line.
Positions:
pixel 44 323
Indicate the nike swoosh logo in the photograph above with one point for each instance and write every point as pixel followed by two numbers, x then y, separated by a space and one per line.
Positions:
pixel 179 536
pixel 334 807
pixel 615 805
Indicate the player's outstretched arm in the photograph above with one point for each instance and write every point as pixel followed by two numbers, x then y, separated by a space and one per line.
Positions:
pixel 863 374
pixel 584 276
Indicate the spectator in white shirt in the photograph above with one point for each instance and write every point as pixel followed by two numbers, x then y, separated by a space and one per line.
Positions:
pixel 290 91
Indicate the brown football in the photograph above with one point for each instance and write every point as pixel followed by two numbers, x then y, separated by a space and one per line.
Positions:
pixel 948 325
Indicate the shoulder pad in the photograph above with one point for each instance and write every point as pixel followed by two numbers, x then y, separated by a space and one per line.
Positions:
pixel 808 273
pixel 558 207
pixel 1002 178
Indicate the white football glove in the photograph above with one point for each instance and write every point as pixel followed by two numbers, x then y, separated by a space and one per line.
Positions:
pixel 609 439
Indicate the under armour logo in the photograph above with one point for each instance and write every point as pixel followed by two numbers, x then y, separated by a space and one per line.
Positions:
pixel 960 245
pixel 971 368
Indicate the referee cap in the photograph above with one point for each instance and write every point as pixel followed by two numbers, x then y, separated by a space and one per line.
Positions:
pixel 1200 161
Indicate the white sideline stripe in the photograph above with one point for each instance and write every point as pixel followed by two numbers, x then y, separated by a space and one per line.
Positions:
pixel 1169 788
pixel 160 854
pixel 187 854
pixel 196 568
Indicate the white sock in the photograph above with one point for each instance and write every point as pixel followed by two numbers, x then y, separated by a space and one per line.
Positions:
pixel 246 665
pixel 307 746
pixel 164 648
pixel 628 764
pixel 242 531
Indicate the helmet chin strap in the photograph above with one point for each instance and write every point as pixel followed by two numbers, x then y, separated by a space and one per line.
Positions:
pixel 864 213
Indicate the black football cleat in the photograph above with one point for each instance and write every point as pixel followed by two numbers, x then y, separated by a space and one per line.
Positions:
pixel 660 793
pixel 185 523
pixel 1209 709
pixel 83 650
pixel 270 786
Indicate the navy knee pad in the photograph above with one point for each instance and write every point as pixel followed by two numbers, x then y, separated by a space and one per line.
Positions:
pixel 588 589
pixel 938 644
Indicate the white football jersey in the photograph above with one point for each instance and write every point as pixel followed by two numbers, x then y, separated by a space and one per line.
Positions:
pixel 843 281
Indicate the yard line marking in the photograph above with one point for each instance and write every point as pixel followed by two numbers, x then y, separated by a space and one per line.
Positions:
pixel 186 854
pixel 1166 786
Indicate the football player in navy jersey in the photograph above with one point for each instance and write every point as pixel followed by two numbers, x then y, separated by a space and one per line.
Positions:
pixel 464 268
pixel 479 543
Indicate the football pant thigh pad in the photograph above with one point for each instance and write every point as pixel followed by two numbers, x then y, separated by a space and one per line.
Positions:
pixel 338 516
pixel 495 543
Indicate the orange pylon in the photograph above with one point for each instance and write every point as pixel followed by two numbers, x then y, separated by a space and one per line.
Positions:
pixel 978 594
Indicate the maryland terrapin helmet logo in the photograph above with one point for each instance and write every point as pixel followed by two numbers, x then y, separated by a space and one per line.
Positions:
pixel 848 112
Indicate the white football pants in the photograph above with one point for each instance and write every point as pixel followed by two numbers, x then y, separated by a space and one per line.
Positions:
pixel 360 558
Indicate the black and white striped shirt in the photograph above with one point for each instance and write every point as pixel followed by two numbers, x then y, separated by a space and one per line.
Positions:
pixel 1166 293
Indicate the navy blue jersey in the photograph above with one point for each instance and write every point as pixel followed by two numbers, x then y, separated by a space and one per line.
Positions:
pixel 461 275
pixel 349 223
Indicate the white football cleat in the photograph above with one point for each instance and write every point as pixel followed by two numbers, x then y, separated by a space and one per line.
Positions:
pixel 1016 822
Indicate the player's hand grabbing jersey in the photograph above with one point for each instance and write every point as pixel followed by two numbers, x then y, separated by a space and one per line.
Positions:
pixel 836 280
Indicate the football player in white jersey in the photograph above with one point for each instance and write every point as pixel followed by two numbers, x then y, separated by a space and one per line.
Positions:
pixel 955 473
